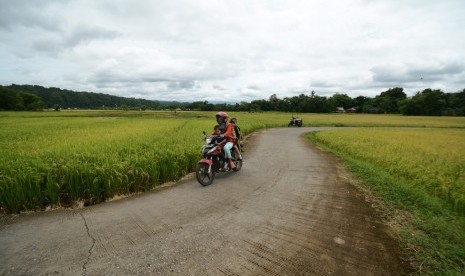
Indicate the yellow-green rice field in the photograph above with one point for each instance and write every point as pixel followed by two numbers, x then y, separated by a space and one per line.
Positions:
pixel 430 159
pixel 419 176
pixel 61 158
pixel 413 164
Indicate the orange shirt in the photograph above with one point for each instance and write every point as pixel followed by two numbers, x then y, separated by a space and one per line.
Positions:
pixel 230 134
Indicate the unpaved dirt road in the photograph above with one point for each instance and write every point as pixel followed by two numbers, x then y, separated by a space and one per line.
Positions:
pixel 290 211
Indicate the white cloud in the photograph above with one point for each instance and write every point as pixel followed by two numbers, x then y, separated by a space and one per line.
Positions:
pixel 233 50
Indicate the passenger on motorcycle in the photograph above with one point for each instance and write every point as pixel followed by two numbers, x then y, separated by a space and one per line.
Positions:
pixel 237 131
pixel 228 132
pixel 219 141
pixel 216 130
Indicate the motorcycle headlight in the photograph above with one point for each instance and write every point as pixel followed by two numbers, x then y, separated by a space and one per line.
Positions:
pixel 208 140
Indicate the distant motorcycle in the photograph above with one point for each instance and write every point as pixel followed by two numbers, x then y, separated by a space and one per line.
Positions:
pixel 295 122
pixel 213 161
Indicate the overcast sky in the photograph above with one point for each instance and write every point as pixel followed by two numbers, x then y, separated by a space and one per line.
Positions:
pixel 233 50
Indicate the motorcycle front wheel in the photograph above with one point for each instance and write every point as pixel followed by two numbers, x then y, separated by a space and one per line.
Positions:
pixel 204 177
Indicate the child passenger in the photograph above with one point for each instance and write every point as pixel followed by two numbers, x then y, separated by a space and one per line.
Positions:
pixel 237 144
pixel 220 142
pixel 216 130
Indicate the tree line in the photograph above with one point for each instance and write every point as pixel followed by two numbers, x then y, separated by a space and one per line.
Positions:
pixel 35 97
pixel 430 102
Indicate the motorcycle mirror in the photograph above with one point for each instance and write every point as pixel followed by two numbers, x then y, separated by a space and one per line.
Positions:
pixel 204 133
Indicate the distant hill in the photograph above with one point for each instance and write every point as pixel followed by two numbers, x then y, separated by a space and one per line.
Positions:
pixel 429 102
pixel 53 96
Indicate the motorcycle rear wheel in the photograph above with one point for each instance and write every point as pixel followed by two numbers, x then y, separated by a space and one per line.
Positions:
pixel 204 177
pixel 238 164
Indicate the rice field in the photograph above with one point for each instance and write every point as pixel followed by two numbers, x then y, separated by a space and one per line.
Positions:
pixel 432 160
pixel 52 159
pixel 415 164
pixel 60 162
pixel 418 175
pixel 65 158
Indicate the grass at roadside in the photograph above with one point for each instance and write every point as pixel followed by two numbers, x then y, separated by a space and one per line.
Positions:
pixel 64 158
pixel 419 175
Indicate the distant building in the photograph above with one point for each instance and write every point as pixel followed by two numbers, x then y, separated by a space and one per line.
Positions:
pixel 351 110
pixel 340 110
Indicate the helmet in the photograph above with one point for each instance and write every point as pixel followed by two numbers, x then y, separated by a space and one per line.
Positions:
pixel 221 119
pixel 222 114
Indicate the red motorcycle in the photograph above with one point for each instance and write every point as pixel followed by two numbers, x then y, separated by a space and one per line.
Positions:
pixel 214 161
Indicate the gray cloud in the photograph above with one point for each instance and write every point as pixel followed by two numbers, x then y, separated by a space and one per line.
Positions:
pixel 449 69
pixel 108 79
pixel 80 35
pixel 219 87
pixel 29 14
pixel 419 73
pixel 84 34
pixel 184 84
pixel 253 87
pixel 234 50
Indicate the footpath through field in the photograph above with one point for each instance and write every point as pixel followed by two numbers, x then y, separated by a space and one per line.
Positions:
pixel 290 211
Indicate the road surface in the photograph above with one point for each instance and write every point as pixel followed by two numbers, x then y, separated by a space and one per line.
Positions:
pixel 290 211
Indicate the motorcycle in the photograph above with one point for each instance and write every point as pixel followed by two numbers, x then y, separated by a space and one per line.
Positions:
pixel 295 122
pixel 214 161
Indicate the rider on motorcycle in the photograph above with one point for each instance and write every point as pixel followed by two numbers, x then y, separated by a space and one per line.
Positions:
pixel 227 131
